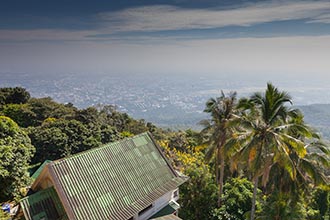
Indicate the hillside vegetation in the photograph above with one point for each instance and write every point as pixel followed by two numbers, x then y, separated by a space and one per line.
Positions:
pixel 255 157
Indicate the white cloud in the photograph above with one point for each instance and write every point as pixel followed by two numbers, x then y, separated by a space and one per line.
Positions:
pixel 324 18
pixel 164 17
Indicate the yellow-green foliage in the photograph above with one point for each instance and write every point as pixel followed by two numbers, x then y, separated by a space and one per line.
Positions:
pixel 181 160
pixel 4 215
pixel 126 134
pixel 49 120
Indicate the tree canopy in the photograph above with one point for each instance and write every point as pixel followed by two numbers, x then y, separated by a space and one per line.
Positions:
pixel 256 152
pixel 16 152
pixel 17 95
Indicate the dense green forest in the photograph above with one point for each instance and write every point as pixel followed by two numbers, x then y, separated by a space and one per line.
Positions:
pixel 256 158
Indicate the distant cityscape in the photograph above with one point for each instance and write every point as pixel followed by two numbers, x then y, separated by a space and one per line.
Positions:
pixel 166 100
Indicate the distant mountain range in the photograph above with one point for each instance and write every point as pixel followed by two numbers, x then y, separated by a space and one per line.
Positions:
pixel 318 116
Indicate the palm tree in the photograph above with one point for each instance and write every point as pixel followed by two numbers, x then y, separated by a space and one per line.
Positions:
pixel 286 196
pixel 310 166
pixel 310 169
pixel 265 138
pixel 222 111
pixel 314 163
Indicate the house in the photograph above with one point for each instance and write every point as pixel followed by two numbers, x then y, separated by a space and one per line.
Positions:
pixel 126 180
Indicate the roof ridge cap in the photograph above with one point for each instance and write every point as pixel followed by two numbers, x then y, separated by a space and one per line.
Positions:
pixel 98 148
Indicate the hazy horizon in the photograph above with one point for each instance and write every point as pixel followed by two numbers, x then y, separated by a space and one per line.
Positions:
pixel 150 55
pixel 291 38
pixel 303 89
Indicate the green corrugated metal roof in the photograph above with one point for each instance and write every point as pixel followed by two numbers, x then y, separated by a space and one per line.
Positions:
pixel 43 205
pixel 167 210
pixel 38 171
pixel 115 181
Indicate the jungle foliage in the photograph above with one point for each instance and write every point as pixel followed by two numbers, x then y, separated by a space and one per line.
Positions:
pixel 255 158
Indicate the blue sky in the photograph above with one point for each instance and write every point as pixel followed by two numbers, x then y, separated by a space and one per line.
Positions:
pixel 165 36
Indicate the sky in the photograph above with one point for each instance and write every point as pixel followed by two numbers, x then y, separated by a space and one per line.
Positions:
pixel 287 37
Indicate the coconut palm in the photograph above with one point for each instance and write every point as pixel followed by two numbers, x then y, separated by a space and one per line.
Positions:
pixel 218 132
pixel 266 138
pixel 310 164
pixel 309 173
pixel 310 169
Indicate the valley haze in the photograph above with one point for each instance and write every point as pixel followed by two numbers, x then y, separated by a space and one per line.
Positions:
pixel 168 100
pixel 161 60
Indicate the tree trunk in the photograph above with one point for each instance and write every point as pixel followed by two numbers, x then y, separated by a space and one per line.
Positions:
pixel 221 158
pixel 222 171
pixel 217 167
pixel 254 198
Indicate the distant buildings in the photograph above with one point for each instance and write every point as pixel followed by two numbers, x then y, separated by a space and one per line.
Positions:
pixel 126 180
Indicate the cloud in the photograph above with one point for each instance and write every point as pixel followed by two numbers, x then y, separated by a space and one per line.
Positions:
pixel 324 18
pixel 119 25
pixel 43 35
pixel 164 17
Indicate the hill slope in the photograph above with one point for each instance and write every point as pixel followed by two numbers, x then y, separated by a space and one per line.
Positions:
pixel 318 116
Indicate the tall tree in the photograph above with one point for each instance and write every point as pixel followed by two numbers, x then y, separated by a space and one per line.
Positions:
pixel 237 199
pixel 20 113
pixel 60 138
pixel 199 188
pixel 266 136
pixel 17 95
pixel 217 128
pixel 15 154
pixel 44 108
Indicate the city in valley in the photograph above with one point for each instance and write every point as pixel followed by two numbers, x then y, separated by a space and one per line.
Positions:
pixel 174 101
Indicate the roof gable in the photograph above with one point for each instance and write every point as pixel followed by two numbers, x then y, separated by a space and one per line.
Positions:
pixel 38 171
pixel 114 181
pixel 44 204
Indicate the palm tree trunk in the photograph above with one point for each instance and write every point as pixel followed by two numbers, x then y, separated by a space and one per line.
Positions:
pixel 222 165
pixel 217 167
pixel 254 198
pixel 222 170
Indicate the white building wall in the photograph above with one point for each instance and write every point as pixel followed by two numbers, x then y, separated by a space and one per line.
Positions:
pixel 158 205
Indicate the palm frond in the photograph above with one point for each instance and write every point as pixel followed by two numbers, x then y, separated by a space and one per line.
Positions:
pixel 210 152
pixel 321 159
pixel 314 173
